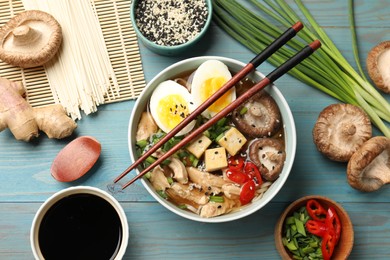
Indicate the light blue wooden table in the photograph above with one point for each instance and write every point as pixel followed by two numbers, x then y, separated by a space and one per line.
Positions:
pixel 156 233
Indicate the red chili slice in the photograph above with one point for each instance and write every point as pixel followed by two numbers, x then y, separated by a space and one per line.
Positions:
pixel 327 246
pixel 247 192
pixel 332 221
pixel 315 210
pixel 236 162
pixel 317 228
pixel 253 172
pixel 236 176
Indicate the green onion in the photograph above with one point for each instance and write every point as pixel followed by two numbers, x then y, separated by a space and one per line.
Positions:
pixel 218 199
pixel 182 206
pixel 170 180
pixel 195 162
pixel 300 243
pixel 148 175
pixel 255 24
pixel 219 137
pixel 150 159
pixel 243 110
pixel 162 194
pixel 142 143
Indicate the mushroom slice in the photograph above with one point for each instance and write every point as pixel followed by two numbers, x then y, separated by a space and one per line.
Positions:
pixel 146 127
pixel 158 179
pixel 213 209
pixel 340 130
pixel 269 155
pixel 179 170
pixel 369 167
pixel 261 116
pixel 378 62
pixel 30 39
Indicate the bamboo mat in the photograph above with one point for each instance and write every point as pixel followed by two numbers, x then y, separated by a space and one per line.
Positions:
pixel 122 47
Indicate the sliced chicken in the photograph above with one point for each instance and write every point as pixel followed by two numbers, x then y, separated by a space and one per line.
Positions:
pixel 158 179
pixel 213 209
pixel 146 127
pixel 209 182
pixel 188 193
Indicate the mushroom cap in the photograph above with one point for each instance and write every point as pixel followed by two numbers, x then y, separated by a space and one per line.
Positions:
pixel 262 117
pixel 340 130
pixel 369 167
pixel 378 62
pixel 30 39
pixel 269 155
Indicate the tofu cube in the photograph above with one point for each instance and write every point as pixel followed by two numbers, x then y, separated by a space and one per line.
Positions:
pixel 199 146
pixel 232 140
pixel 215 159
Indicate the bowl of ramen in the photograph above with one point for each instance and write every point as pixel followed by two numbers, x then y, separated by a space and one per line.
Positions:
pixel 232 169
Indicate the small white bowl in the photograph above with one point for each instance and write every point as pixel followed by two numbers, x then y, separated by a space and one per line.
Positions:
pixel 48 204
pixel 235 66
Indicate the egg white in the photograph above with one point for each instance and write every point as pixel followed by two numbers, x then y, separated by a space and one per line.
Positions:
pixel 169 115
pixel 211 69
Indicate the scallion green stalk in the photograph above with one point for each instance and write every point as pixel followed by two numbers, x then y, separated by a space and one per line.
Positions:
pixel 257 23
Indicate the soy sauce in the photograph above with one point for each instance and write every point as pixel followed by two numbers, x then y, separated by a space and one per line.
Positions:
pixel 80 226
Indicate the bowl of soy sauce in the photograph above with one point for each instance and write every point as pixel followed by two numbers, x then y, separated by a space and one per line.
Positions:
pixel 80 222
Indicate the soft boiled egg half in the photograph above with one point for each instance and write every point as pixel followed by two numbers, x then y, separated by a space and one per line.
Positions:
pixel 207 79
pixel 170 103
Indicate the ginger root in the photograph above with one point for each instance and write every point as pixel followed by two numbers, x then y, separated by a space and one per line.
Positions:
pixel 25 121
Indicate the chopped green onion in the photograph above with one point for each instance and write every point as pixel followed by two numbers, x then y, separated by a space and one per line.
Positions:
pixel 219 137
pixel 162 194
pixel 255 24
pixel 142 143
pixel 170 180
pixel 166 162
pixel 150 159
pixel 182 206
pixel 148 175
pixel 243 110
pixel 218 199
pixel 195 162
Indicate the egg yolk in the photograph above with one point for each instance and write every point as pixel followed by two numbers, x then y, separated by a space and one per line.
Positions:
pixel 209 87
pixel 172 109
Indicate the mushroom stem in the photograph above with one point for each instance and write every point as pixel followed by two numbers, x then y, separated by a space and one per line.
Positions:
pixel 348 129
pixel 25 35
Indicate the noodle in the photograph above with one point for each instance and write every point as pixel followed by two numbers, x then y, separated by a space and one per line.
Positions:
pixel 81 73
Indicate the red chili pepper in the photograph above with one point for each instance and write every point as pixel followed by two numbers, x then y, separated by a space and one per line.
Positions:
pixel 236 162
pixel 332 221
pixel 317 228
pixel 327 246
pixel 315 210
pixel 247 192
pixel 237 176
pixel 253 172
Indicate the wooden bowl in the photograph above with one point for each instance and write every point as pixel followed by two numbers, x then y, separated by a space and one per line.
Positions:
pixel 343 248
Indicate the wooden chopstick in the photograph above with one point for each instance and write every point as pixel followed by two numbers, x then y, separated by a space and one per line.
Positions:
pixel 255 62
pixel 271 77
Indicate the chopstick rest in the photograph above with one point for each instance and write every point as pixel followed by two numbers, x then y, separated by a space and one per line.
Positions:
pixel 271 77
pixel 255 62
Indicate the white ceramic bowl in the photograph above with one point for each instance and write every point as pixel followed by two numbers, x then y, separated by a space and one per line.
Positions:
pixel 235 66
pixel 78 190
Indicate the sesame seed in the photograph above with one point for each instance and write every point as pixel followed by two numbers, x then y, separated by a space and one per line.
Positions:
pixel 168 22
